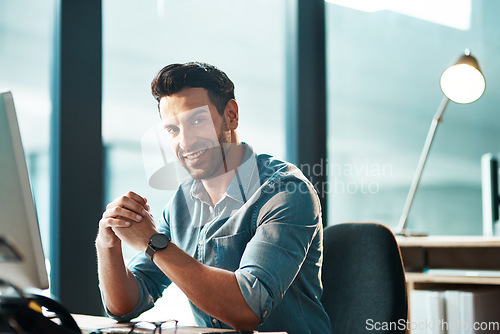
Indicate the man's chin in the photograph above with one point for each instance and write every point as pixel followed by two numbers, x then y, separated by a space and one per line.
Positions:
pixel 202 174
pixel 197 176
pixel 204 170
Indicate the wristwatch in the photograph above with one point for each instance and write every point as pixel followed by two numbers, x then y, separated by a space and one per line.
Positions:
pixel 157 241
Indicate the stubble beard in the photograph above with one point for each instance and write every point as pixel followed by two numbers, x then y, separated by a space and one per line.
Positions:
pixel 217 152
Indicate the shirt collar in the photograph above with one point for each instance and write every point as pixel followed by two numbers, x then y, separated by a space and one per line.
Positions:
pixel 245 182
pixel 246 179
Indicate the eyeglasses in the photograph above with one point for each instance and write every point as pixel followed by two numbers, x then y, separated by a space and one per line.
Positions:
pixel 139 327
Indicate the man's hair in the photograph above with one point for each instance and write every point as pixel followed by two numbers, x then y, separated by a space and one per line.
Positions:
pixel 175 77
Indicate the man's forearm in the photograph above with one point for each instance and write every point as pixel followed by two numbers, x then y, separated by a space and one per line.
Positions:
pixel 119 286
pixel 215 291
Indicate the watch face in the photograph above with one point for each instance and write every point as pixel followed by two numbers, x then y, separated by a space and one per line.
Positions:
pixel 159 241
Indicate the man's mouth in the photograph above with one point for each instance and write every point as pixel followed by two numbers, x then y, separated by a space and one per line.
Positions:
pixel 195 155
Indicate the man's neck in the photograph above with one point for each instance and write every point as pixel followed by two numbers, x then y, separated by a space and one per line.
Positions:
pixel 217 186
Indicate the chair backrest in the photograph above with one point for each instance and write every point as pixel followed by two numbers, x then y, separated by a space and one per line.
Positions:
pixel 363 279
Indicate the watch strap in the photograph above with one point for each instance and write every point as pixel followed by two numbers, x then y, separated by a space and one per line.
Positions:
pixel 150 251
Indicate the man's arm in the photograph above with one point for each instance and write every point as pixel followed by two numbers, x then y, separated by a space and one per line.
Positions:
pixel 214 291
pixel 118 285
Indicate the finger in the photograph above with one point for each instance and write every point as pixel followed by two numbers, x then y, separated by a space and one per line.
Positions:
pixel 120 212
pixel 113 222
pixel 136 197
pixel 130 204
pixel 128 199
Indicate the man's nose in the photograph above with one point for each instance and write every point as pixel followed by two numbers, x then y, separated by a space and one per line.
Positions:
pixel 186 139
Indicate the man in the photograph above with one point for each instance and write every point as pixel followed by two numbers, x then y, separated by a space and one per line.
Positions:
pixel 242 238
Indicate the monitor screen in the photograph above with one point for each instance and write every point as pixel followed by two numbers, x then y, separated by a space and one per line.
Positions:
pixel 23 263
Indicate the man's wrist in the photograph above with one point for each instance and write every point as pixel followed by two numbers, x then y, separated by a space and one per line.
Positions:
pixel 102 243
pixel 157 241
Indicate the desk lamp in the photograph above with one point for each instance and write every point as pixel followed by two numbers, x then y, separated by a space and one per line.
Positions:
pixel 463 83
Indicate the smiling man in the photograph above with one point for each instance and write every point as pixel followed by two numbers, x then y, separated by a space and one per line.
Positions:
pixel 242 238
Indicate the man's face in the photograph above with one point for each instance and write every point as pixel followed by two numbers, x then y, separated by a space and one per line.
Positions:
pixel 196 130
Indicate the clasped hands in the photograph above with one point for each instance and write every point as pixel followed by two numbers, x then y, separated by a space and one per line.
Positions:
pixel 127 219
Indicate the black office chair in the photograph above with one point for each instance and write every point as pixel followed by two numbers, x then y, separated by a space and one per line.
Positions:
pixel 363 279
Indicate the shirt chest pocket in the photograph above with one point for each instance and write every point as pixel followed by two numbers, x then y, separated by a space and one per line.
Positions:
pixel 229 249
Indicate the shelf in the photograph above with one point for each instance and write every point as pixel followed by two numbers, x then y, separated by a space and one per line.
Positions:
pixel 450 252
pixel 427 278
pixel 441 263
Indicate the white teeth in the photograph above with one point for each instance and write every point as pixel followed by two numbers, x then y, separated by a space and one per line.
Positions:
pixel 194 156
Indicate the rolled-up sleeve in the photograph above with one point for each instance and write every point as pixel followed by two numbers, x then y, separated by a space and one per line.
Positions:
pixel 286 225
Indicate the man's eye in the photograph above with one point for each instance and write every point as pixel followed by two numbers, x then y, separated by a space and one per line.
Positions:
pixel 172 129
pixel 198 120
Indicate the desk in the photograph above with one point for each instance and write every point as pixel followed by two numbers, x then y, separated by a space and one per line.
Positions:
pixel 425 257
pixel 449 252
pixel 88 323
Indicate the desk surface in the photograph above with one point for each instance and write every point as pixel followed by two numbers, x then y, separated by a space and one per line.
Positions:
pixel 88 323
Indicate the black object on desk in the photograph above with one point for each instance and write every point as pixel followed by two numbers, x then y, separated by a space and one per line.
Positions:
pixel 22 313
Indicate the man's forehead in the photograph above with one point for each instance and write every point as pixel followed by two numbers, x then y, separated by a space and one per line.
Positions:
pixel 181 114
pixel 185 100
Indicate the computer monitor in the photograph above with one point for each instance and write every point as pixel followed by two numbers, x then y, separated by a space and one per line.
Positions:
pixel 491 196
pixel 18 219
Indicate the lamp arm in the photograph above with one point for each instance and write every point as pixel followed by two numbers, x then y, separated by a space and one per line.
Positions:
pixel 401 228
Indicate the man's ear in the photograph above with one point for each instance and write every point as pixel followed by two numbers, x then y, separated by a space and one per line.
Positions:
pixel 231 115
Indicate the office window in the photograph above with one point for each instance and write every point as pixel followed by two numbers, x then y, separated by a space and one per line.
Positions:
pixel 25 51
pixel 244 39
pixel 384 65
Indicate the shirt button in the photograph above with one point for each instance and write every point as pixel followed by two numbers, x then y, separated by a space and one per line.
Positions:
pixel 214 321
pixel 200 242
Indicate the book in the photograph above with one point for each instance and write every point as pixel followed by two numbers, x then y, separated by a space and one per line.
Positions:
pixel 468 311
pixel 472 311
pixel 453 314
pixel 427 312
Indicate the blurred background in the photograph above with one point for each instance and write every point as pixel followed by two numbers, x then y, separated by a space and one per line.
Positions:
pixel 384 60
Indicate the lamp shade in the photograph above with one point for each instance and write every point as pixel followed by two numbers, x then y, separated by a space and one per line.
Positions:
pixel 463 82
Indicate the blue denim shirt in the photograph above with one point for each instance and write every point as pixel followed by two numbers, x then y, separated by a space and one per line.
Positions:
pixel 266 229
